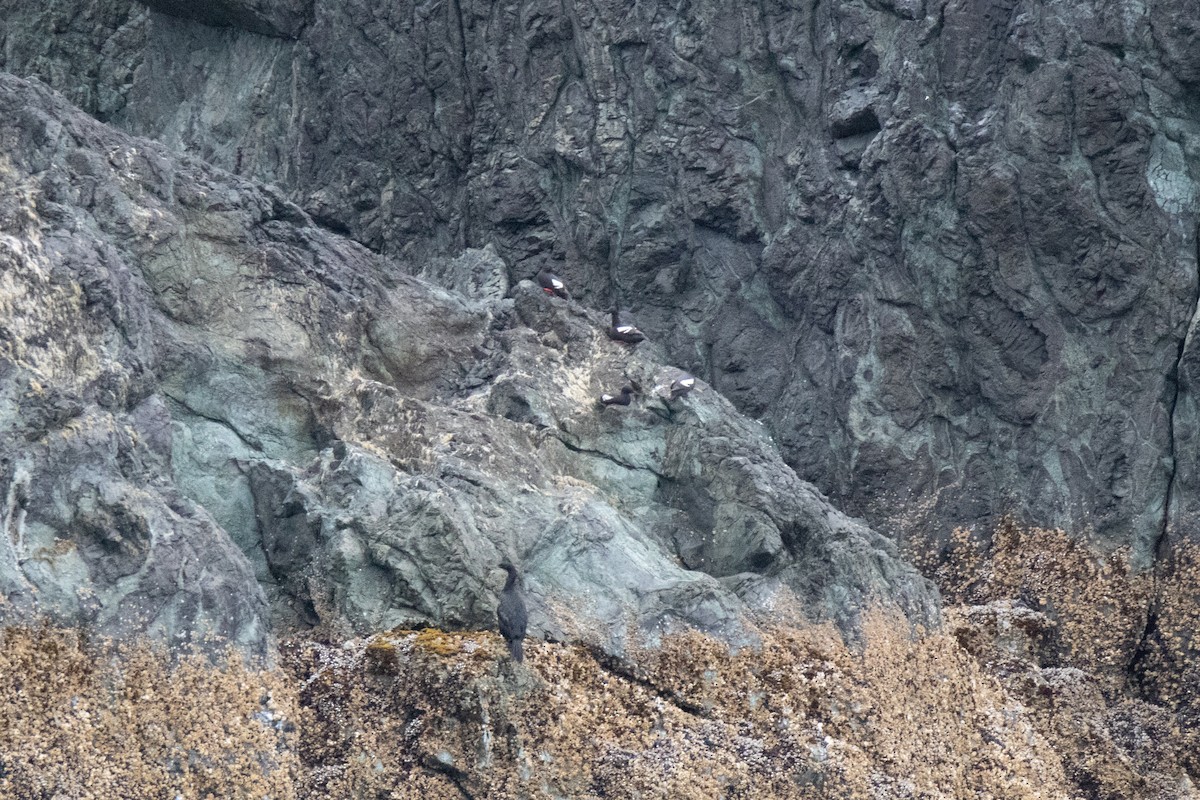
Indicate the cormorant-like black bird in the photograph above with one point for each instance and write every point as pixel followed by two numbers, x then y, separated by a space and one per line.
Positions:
pixel 621 399
pixel 623 330
pixel 511 614
pixel 682 385
pixel 552 284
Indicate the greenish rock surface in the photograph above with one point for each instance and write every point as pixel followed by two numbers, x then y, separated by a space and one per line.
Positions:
pixel 221 419
pixel 944 250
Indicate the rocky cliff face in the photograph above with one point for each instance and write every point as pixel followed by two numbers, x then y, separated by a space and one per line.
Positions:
pixel 944 249
pixel 269 363
pixel 220 417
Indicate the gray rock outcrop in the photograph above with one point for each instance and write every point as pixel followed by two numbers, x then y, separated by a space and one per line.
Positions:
pixel 221 418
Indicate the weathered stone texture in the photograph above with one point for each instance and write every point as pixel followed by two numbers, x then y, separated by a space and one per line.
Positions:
pixel 946 251
pixel 219 417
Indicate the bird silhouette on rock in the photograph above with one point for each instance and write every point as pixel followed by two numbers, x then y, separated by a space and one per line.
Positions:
pixel 622 330
pixel 681 386
pixel 552 284
pixel 621 399
pixel 511 613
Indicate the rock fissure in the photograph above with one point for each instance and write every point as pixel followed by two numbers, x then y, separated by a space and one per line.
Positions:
pixel 456 776
pixel 250 442
pixel 615 666
pixel 574 448
pixel 1159 550
pixel 619 199
pixel 1177 378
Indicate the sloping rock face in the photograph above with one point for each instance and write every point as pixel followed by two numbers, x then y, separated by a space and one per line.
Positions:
pixel 944 249
pixel 219 418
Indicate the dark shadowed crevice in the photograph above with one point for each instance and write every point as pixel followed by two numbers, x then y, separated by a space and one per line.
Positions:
pixel 608 457
pixel 857 122
pixel 225 14
pixel 335 226
pixel 1173 403
pixel 454 775
pixel 1135 672
pixel 247 439
pixel 1176 379
pixel 619 201
pixel 615 666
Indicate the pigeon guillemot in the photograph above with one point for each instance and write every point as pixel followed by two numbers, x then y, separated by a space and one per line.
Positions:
pixel 552 284
pixel 621 399
pixel 682 385
pixel 622 330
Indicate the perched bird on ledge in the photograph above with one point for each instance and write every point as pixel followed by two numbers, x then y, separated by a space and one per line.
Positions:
pixel 621 399
pixel 511 614
pixel 681 386
pixel 622 330
pixel 552 284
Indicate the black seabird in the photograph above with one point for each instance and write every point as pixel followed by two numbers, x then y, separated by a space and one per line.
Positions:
pixel 623 330
pixel 511 614
pixel 552 284
pixel 621 399
pixel 682 385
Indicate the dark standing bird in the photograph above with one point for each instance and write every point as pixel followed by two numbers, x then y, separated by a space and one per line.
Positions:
pixel 682 385
pixel 511 614
pixel 552 284
pixel 621 399
pixel 623 330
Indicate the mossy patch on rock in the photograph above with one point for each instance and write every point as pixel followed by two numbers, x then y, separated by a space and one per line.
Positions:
pixel 384 652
